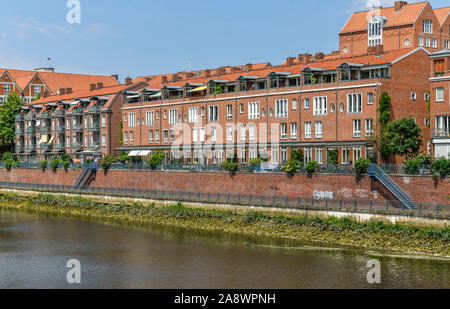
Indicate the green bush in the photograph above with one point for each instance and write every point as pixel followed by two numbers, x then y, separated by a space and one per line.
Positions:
pixel 44 165
pixel 156 159
pixel 291 167
pixel 333 156
pixel 230 167
pixel 441 166
pixel 9 164
pixel 107 161
pixel 124 157
pixel 54 164
pixel 297 155
pixel 413 165
pixel 7 156
pixel 66 165
pixel 311 167
pixel 361 166
pixel 17 164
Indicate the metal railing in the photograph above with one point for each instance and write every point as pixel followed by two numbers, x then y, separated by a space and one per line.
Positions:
pixel 46 130
pixel 20 117
pixel 60 129
pixel 46 147
pixel 31 130
pixel 247 199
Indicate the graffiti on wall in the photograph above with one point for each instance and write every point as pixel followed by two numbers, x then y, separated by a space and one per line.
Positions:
pixel 323 195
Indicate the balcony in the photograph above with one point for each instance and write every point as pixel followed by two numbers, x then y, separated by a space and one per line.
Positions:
pixel 30 116
pixel 78 128
pixel 31 148
pixel 60 147
pixel 60 129
pixel 77 112
pixel 31 130
pixel 46 130
pixel 20 117
pixel 94 146
pixel 94 110
pixel 20 148
pixel 77 146
pixel 46 115
pixel 441 133
pixel 46 147
pixel 20 131
pixel 59 113
pixel 94 127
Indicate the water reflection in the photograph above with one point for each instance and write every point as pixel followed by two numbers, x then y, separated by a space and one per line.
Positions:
pixel 34 250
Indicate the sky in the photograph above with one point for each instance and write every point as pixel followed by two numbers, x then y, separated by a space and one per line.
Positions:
pixel 144 37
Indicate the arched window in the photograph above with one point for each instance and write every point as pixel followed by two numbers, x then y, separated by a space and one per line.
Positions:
pixel 428 26
pixel 375 30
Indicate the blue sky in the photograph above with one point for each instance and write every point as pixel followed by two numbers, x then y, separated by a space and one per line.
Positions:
pixel 143 37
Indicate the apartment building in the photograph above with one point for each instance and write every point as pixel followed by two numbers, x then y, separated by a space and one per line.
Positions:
pixel 314 103
pixel 83 124
pixel 440 103
pixel 402 26
pixel 45 82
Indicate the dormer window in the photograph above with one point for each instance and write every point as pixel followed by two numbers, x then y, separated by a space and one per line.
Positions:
pixel 375 30
pixel 427 26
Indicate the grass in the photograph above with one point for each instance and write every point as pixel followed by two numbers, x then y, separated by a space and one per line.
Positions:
pixel 426 240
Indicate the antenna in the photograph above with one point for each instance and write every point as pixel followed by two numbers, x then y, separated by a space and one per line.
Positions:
pixel 190 64
pixel 49 62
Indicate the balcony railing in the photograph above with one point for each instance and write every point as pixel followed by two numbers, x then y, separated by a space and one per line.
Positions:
pixel 31 147
pixel 94 146
pixel 46 147
pixel 77 112
pixel 20 131
pixel 20 117
pixel 20 148
pixel 30 116
pixel 31 130
pixel 94 127
pixel 77 146
pixel 60 129
pixel 59 113
pixel 60 147
pixel 94 110
pixel 46 130
pixel 46 114
pixel 442 133
pixel 78 128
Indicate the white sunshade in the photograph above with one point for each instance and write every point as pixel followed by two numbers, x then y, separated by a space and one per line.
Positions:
pixel 134 153
pixel 144 153
pixel 156 95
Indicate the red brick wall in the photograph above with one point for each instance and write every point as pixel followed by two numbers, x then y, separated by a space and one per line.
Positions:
pixel 422 189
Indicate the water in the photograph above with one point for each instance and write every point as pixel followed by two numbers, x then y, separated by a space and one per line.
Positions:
pixel 34 251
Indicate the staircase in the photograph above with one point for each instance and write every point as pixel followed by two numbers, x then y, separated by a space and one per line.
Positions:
pixel 86 177
pixel 375 172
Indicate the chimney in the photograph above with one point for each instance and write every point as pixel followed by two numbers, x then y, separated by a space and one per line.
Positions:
pixel 289 61
pixel 62 91
pixel 115 76
pixel 164 79
pixel 175 78
pixel 319 56
pixel 92 87
pixel 399 5
pixel 128 81
pixel 207 73
pixel 220 71
pixel 189 74
pixel 248 67
pixel 304 58
pixel 377 50
pixel 99 85
pixel 68 90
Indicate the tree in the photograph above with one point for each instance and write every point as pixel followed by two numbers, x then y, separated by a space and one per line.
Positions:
pixel 379 139
pixel 8 113
pixel 404 137
pixel 297 155
pixel 156 159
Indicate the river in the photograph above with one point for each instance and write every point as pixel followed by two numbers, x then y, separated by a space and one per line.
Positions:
pixel 34 251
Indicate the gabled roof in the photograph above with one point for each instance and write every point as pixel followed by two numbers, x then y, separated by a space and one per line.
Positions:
pixel 442 14
pixel 406 16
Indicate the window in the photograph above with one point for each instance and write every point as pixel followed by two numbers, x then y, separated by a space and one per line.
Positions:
pixel 173 116
pixel 356 154
pixel 319 155
pixel 426 96
pixel 157 136
pixel 252 154
pixel 214 113
pixel 375 31
pixel 221 156
pixel 369 127
pixel 67 141
pixel 442 126
pixel 229 112
pixel 427 26
pixel 306 102
pixel 420 40
pixel 294 105
pixel 426 121
pixel 150 136
pixel 125 138
pixel 308 155
pixel 283 129
pixel 164 115
pixel 413 96
pixel 294 130
pixel 166 136
pixel 439 94
pixel 229 133
pixel 243 133
pixel 37 91
pixel 434 43
pixel 103 140
pixel 213 134
pixel 447 44
pixel 284 154
pixel 193 114
pixel 320 106
pixel 103 121
pixel 132 120
pixel 354 103
pixel 172 135
pixel 194 135
pixel 202 134
pixel 307 130
pixel 131 138
pixel 6 88
pixel 427 42
pixel 251 132
pixel 281 108
pixel 68 124
pixel 370 98
pixel 157 115
pixel 149 121
pixel 345 155
pixel 241 108
pixel 274 156
pixel 253 110
pixel 86 122
pixel 357 128
pixel 318 129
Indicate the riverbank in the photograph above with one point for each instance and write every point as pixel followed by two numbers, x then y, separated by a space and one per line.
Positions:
pixel 376 235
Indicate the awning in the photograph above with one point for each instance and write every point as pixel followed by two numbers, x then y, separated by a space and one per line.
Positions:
pixel 134 153
pixel 51 140
pixel 133 96
pixel 144 153
pixel 199 89
pixel 156 95
pixel 44 139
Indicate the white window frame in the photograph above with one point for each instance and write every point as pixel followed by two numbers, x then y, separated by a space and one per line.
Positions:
pixel 440 94
pixel 243 133
pixel 253 110
pixel 229 133
pixel 346 155
pixel 294 104
pixel 357 154
pixel 283 131
pixel 369 127
pixel 149 118
pixel 173 116
pixel 213 113
pixel 150 137
pixel 193 114
pixel 370 98
pixel 319 155
pixel 131 120
pixel 428 26
pixel 318 129
pixel 320 106
pixel 251 132
pixel 293 130
pixel 354 103
pixel 281 108
pixel 306 103
pixel 421 41
pixel 194 135
pixel 308 130
pixel 357 128
pixel 229 112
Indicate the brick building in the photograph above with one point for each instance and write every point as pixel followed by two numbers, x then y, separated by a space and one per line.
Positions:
pixel 83 124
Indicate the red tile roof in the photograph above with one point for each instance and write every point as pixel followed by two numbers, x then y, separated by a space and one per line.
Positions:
pixel 407 15
pixel 442 14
